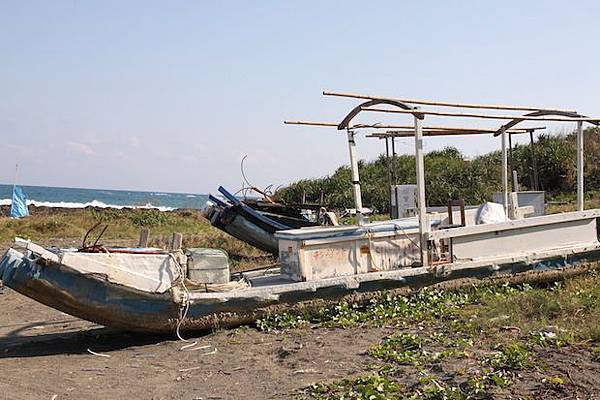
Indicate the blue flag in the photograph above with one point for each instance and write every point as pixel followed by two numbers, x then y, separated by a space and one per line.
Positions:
pixel 18 206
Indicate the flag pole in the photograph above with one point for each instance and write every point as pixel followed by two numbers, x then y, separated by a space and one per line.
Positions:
pixel 16 175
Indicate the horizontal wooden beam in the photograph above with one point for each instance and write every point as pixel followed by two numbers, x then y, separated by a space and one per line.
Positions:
pixel 443 103
pixel 311 123
pixel 380 126
pixel 408 133
pixel 483 130
pixel 486 116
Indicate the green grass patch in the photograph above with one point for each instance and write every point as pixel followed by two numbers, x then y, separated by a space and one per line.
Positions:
pixel 569 309
pixel 403 348
pixel 491 337
pixel 386 309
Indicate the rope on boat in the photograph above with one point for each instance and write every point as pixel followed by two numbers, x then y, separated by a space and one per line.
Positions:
pixel 418 245
pixel 370 242
pixel 185 303
pixel 184 306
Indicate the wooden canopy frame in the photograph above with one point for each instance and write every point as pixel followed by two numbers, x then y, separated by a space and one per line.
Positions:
pixel 418 131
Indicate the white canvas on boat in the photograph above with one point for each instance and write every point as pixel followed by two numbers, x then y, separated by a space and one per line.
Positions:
pixel 154 273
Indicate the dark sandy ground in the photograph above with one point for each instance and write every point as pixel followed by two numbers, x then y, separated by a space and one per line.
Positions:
pixel 44 355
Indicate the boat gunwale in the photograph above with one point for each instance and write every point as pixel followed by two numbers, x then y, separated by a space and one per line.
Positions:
pixel 514 224
pixel 354 281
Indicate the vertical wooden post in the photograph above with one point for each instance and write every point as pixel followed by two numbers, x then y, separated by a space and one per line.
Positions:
pixel 536 182
pixel 389 168
pixel 580 188
pixel 422 207
pixel 394 177
pixel 504 172
pixel 177 241
pixel 511 162
pixel 144 236
pixel 355 177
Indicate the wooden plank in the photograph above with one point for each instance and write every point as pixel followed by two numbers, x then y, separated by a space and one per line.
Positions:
pixel 144 236
pixel 177 241
pixel 444 103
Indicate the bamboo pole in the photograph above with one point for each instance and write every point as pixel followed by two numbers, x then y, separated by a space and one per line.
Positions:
pixel 485 116
pixel 443 103
pixel 310 123
pixel 485 130
pixel 410 127
pixel 403 134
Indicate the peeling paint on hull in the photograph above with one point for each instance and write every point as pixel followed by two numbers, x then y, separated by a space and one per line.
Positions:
pixel 94 299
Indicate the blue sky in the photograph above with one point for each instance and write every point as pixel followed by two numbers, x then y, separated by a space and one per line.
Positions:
pixel 170 95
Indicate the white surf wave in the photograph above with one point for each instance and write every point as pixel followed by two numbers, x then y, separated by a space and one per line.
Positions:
pixel 93 203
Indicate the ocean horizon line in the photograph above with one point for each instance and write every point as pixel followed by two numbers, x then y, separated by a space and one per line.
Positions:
pixel 59 197
pixel 106 189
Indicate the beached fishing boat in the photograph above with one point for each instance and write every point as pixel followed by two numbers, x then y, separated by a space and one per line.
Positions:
pixel 152 290
pixel 254 224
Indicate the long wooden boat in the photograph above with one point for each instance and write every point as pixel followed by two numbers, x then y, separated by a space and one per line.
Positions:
pixel 148 291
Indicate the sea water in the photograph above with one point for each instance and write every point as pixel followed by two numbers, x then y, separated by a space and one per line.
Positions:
pixel 80 198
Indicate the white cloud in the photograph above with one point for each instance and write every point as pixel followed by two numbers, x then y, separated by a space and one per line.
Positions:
pixel 80 148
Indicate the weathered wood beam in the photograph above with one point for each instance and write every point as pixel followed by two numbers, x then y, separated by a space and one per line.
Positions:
pixel 428 128
pixel 144 236
pixel 443 103
pixel 433 133
pixel 487 116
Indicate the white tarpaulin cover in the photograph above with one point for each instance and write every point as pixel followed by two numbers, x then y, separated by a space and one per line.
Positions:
pixel 490 213
pixel 153 273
